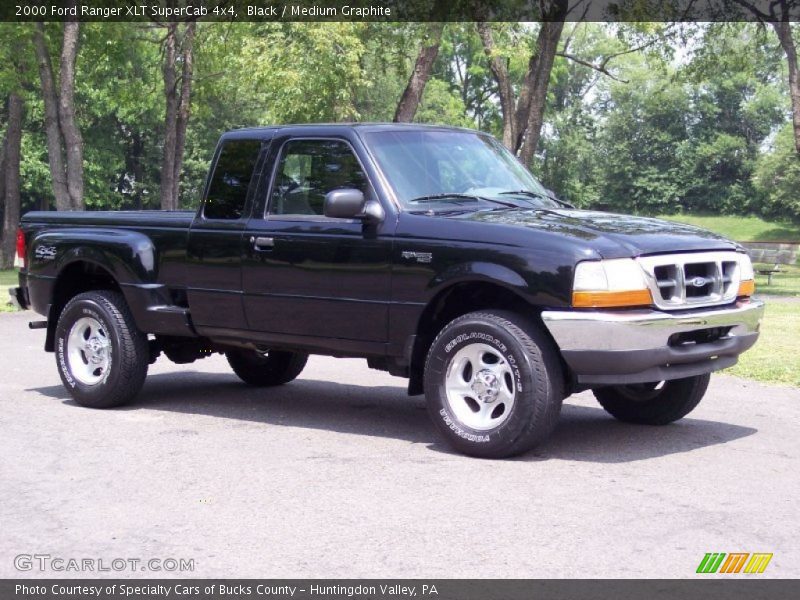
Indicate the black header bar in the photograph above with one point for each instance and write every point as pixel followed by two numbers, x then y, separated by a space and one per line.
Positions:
pixel 703 587
pixel 399 10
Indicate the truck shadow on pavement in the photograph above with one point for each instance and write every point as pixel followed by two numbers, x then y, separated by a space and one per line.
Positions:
pixel 584 433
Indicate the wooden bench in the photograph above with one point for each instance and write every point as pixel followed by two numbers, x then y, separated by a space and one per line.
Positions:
pixel 771 253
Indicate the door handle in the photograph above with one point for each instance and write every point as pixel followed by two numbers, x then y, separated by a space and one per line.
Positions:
pixel 262 243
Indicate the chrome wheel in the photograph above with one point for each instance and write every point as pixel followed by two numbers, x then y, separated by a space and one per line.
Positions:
pixel 480 387
pixel 88 351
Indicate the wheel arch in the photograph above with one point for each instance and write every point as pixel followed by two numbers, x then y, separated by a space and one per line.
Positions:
pixel 76 277
pixel 459 297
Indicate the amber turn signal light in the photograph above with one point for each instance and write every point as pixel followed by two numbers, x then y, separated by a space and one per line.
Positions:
pixel 607 299
pixel 746 288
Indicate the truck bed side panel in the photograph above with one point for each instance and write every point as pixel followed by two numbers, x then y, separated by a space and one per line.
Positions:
pixel 145 260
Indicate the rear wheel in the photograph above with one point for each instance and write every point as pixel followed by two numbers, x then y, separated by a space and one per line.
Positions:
pixel 656 403
pixel 271 367
pixel 493 384
pixel 102 357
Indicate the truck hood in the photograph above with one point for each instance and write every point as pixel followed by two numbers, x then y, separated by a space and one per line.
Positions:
pixel 610 235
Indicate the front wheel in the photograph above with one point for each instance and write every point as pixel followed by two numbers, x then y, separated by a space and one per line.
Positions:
pixel 493 384
pixel 268 368
pixel 102 357
pixel 656 403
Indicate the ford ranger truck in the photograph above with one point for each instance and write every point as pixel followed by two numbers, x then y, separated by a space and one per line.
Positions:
pixel 430 251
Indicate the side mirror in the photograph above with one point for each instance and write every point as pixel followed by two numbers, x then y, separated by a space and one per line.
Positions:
pixel 349 203
pixel 346 203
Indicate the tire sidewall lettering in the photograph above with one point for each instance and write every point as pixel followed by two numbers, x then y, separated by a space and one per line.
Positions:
pixel 455 343
pixel 455 428
pixel 479 336
pixel 61 348
pixel 62 363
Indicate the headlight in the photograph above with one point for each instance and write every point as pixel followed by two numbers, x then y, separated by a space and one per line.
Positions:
pixel 610 283
pixel 747 277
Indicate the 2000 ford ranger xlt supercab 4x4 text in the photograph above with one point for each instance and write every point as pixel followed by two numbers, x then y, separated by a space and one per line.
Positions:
pixel 429 251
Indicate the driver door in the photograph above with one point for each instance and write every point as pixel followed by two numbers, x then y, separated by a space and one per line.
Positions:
pixel 305 274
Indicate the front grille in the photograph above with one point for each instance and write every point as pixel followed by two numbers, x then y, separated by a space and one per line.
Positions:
pixel 690 280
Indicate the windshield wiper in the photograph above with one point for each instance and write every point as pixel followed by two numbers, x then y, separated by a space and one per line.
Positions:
pixel 456 197
pixel 532 194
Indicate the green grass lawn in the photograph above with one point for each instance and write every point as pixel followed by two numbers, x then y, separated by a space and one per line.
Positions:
pixel 776 356
pixel 785 283
pixel 742 229
pixel 8 278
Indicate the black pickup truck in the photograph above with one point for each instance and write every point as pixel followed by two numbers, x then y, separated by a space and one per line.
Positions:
pixel 429 251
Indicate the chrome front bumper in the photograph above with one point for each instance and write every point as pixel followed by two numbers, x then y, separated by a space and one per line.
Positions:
pixel 617 347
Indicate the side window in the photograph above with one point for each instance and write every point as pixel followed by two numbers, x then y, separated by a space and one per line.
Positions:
pixel 227 191
pixel 309 169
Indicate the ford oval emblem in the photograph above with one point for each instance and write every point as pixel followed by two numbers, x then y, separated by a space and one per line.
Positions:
pixel 698 282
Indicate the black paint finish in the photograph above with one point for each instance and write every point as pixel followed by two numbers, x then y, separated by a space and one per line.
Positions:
pixel 337 286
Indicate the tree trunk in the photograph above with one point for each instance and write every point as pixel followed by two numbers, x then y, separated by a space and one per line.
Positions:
pixel 3 172
pixel 184 108
pixel 547 45
pixel 11 177
pixel 506 91
pixel 71 134
pixel 134 149
pixel 522 120
pixel 412 95
pixel 55 150
pixel 170 120
pixel 137 167
pixel 784 31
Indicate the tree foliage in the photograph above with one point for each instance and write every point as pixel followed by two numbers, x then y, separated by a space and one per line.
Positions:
pixel 636 117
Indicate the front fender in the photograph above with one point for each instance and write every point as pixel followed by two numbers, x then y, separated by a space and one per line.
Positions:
pixel 477 271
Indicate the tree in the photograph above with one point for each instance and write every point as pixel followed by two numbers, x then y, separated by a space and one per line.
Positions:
pixel 737 105
pixel 178 49
pixel 464 66
pixel 784 31
pixel 523 117
pixel 3 170
pixel 14 88
pixel 11 177
pixel 120 89
pixel 777 178
pixel 522 120
pixel 429 50
pixel 780 15
pixel 643 141
pixel 64 140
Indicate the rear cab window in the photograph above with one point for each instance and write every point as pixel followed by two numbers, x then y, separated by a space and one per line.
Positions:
pixel 229 184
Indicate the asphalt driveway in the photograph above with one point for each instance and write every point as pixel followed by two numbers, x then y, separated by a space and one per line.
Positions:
pixel 340 474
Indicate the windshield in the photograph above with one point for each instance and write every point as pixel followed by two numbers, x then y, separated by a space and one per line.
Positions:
pixel 453 167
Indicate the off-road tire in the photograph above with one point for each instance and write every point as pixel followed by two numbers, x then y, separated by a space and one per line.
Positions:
pixel 535 369
pixel 636 404
pixel 266 369
pixel 127 347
